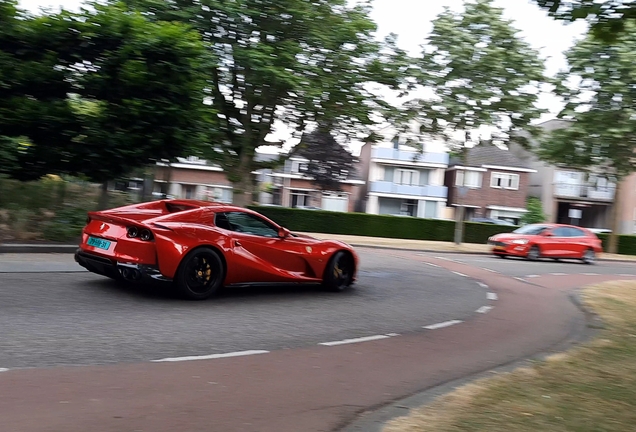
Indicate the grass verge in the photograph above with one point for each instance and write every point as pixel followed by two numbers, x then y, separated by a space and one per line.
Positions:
pixel 589 388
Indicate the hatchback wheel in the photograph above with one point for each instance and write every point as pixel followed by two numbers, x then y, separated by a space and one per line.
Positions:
pixel 589 257
pixel 534 253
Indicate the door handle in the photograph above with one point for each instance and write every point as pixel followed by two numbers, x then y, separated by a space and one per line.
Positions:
pixel 237 243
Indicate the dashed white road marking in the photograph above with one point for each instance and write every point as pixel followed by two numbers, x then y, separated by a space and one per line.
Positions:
pixel 590 274
pixel 393 334
pixel 532 276
pixel 442 324
pixel 484 309
pixel 445 259
pixel 490 270
pixel 626 275
pixel 431 264
pixel 460 274
pixel 492 296
pixel 356 340
pixel 521 279
pixel 3 369
pixel 212 356
pixel 483 285
pixel 559 274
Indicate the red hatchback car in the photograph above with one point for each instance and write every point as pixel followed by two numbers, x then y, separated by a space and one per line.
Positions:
pixel 556 241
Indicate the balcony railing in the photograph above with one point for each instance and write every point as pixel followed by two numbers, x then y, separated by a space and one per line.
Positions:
pixel 409 156
pixel 415 191
pixel 573 190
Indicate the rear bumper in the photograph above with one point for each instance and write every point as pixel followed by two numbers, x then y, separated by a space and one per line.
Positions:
pixel 114 269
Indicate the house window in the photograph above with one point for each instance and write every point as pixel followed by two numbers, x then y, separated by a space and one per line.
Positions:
pixel 471 179
pixel 504 181
pixel 424 177
pixel 299 198
pixel 189 191
pixel 408 208
pixel 405 177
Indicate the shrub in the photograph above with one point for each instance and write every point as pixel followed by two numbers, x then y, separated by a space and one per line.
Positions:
pixel 363 224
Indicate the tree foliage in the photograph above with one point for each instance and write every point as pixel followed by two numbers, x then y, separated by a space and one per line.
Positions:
pixel 100 92
pixel 285 62
pixel 600 99
pixel 608 18
pixel 329 162
pixel 481 74
pixel 535 212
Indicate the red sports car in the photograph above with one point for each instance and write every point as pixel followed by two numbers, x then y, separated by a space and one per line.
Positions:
pixel 556 241
pixel 202 246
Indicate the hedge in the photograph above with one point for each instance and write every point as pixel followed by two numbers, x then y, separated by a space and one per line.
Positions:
pixel 364 224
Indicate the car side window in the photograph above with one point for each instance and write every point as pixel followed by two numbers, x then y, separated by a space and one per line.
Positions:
pixel 561 232
pixel 248 223
pixel 575 232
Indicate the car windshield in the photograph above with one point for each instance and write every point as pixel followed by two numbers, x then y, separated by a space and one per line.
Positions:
pixel 531 229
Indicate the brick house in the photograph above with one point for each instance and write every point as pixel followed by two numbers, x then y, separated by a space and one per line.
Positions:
pixel 289 186
pixel 193 178
pixel 489 182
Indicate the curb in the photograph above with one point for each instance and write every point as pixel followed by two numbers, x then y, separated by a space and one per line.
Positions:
pixel 375 419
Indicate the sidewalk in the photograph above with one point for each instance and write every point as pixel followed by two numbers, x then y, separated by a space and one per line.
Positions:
pixel 356 241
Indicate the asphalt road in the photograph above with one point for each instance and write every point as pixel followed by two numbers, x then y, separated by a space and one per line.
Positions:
pixel 521 268
pixel 54 313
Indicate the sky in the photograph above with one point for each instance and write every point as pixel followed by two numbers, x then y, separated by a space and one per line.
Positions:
pixel 411 21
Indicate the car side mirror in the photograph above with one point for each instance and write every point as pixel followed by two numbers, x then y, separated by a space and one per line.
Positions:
pixel 283 232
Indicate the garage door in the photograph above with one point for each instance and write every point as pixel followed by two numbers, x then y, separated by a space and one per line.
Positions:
pixel 335 203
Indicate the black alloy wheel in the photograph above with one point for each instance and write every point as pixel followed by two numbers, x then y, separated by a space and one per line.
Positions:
pixel 339 272
pixel 200 274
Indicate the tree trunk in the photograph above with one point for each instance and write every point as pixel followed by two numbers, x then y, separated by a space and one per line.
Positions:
pixel 244 187
pixel 459 225
pixel 102 202
pixel 167 176
pixel 612 244
pixel 243 191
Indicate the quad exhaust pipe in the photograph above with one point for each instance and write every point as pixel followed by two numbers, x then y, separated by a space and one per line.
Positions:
pixel 130 274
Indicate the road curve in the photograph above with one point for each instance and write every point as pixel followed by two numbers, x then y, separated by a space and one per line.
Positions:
pixel 52 319
pixel 311 387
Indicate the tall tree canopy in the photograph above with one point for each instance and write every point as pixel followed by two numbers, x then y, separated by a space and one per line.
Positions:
pixel 481 74
pixel 100 92
pixel 600 99
pixel 608 18
pixel 33 91
pixel 285 62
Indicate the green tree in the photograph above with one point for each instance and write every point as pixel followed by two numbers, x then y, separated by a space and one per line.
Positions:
pixel 535 212
pixel 481 75
pixel 600 99
pixel 286 63
pixel 33 91
pixel 101 92
pixel 608 18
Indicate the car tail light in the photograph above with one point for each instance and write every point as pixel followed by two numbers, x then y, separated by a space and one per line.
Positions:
pixel 133 231
pixel 145 235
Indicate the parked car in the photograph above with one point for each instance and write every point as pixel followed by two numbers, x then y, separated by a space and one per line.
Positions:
pixel 556 241
pixel 492 221
pixel 201 246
